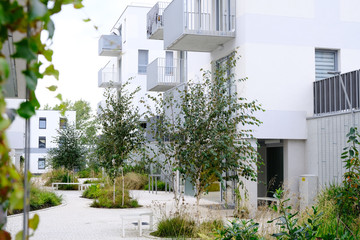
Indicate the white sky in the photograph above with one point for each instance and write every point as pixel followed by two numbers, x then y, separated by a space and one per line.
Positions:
pixel 75 46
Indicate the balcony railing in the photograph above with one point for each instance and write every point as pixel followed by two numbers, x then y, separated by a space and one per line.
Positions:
pixel 155 21
pixel 110 45
pixel 330 95
pixel 202 26
pixel 108 76
pixel 163 74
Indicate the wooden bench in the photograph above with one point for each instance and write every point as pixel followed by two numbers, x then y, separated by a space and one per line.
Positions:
pixel 138 218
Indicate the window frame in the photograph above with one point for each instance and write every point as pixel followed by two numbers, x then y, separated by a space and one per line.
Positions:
pixel 336 60
pixel 40 143
pixel 44 163
pixel 42 119
pixel 142 66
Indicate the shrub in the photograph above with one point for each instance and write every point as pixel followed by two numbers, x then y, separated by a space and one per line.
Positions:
pixel 181 226
pixel 134 181
pixel 160 186
pixel 177 226
pixel 92 192
pixel 331 224
pixel 239 229
pixel 105 199
pixel 40 199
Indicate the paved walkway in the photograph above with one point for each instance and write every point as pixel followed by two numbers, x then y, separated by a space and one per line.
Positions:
pixel 77 220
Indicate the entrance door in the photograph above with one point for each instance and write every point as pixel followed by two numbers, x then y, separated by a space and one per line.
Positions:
pixel 274 168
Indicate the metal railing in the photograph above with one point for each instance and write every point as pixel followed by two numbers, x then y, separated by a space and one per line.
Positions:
pixel 209 17
pixel 155 17
pixel 163 71
pixel 108 76
pixel 330 97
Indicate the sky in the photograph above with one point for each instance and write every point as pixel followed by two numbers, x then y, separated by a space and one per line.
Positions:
pixel 75 46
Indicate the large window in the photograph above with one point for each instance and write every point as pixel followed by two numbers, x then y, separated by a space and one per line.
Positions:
pixel 41 163
pixel 42 142
pixel 143 60
pixel 42 123
pixel 325 61
pixel 63 123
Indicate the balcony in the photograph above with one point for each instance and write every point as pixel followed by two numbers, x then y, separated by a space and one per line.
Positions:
pixel 110 45
pixel 163 74
pixel 199 26
pixel 331 95
pixel 155 21
pixel 108 76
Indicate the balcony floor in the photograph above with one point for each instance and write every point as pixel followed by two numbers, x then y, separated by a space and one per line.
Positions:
pixel 158 34
pixel 200 42
pixel 162 88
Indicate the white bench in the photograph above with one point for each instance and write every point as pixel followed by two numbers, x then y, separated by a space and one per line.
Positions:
pixel 55 186
pixel 270 199
pixel 138 218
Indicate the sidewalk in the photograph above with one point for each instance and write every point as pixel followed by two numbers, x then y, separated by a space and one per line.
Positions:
pixel 76 220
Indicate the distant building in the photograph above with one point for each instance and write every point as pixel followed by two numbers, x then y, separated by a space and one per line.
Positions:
pixel 43 129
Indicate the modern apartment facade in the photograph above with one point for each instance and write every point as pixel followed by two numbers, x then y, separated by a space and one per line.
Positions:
pixel 291 53
pixel 287 49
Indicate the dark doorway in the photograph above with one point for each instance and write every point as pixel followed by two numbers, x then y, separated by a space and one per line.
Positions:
pixel 274 168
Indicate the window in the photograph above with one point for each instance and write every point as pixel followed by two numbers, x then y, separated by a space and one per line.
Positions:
pixel 63 123
pixel 169 63
pixel 42 142
pixel 325 62
pixel 224 65
pixel 41 163
pixel 143 61
pixel 42 123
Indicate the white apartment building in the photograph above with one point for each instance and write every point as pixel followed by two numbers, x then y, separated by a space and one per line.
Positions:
pixel 289 51
pixel 133 55
pixel 44 126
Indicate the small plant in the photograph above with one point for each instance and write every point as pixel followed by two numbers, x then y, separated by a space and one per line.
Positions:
pixel 239 230
pixel 177 226
pixel 288 222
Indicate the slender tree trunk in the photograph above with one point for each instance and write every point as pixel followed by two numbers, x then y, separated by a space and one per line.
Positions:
pixel 123 186
pixel 114 192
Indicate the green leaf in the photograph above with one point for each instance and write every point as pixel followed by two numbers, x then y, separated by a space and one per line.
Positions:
pixel 19 235
pixel 31 79
pixel 23 50
pixel 52 88
pixel 48 53
pixel 4 70
pixel 37 9
pixel 78 4
pixel 59 96
pixel 50 26
pixel 34 222
pixel 51 71
pixel 4 124
pixel 87 20
pixel 26 110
